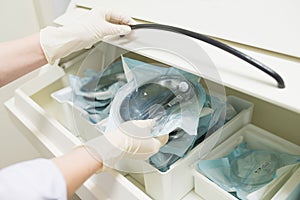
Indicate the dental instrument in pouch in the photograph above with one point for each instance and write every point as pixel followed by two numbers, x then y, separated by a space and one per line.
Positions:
pixel 241 55
pixel 156 96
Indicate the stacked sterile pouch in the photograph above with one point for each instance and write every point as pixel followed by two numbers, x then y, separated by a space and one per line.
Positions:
pixel 109 96
pixel 251 164
pixel 88 100
pixel 172 97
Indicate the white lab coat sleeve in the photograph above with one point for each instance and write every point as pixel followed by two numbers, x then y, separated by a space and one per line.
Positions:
pixel 38 179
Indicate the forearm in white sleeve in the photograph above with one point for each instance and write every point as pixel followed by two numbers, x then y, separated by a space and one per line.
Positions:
pixel 37 179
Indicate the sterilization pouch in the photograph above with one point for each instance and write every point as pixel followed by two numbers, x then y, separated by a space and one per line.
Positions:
pixel 245 170
pixel 174 98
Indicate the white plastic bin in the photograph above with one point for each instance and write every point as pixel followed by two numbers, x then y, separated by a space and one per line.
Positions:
pixel 291 189
pixel 256 138
pixel 37 111
pixel 178 180
pixel 43 121
pixel 72 117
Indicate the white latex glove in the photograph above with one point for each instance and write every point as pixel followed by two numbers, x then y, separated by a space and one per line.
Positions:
pixel 58 42
pixel 132 139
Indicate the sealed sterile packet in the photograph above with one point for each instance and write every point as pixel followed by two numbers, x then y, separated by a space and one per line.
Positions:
pixel 100 85
pixel 172 97
pixel 245 170
pixel 180 143
pixel 93 92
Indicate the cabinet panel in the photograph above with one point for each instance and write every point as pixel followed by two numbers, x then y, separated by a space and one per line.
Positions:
pixel 261 24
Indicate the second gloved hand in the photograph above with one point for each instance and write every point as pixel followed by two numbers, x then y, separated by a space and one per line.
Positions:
pixel 132 139
pixel 58 42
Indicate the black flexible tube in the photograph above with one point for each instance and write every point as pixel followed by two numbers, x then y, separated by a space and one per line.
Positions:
pixel 245 57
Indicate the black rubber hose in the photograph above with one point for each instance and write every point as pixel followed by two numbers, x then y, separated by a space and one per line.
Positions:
pixel 241 55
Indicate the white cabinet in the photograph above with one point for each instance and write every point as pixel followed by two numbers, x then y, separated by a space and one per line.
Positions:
pixel 50 129
pixel 240 78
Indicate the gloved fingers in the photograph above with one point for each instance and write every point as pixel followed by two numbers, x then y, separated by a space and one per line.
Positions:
pixel 115 29
pixel 132 135
pixel 101 149
pixel 148 146
pixel 109 16
pixel 135 138
pixel 117 18
pixel 147 123
pixel 131 139
pixel 144 149
pixel 163 139
pixel 139 141
pixel 139 129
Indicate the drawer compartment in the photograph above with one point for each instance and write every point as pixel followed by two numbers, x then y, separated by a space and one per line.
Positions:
pixel 178 180
pixel 33 109
pixel 53 129
pixel 256 138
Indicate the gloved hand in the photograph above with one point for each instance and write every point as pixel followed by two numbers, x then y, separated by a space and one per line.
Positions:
pixel 58 42
pixel 132 139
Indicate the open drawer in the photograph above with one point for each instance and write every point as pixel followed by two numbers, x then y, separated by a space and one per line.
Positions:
pixel 35 112
pixel 47 125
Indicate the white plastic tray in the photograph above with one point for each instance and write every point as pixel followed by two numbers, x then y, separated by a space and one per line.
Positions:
pixel 291 189
pixel 43 122
pixel 72 117
pixel 178 180
pixel 256 138
pixel 52 132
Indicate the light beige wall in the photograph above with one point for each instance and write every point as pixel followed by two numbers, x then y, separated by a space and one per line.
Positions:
pixel 48 10
pixel 18 18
